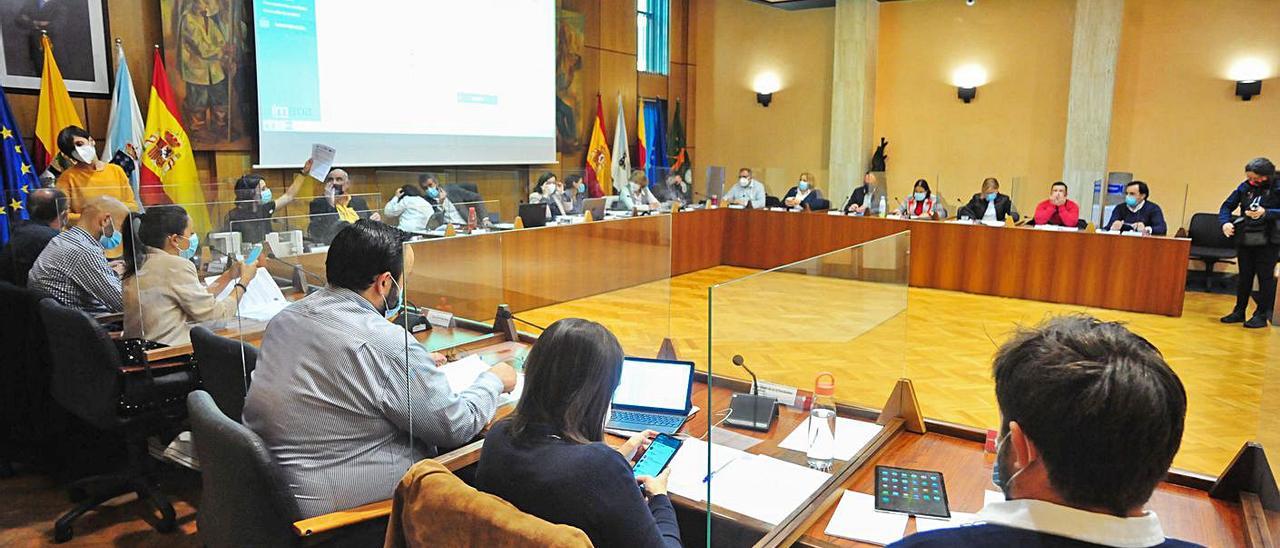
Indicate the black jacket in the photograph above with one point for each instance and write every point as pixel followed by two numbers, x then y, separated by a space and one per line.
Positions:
pixel 26 242
pixel 977 208
pixel 859 195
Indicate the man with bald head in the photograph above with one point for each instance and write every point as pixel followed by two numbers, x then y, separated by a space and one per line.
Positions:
pixel 73 268
pixel 47 209
pixel 325 218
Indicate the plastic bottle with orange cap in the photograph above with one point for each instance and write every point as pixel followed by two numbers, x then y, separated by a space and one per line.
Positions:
pixel 822 423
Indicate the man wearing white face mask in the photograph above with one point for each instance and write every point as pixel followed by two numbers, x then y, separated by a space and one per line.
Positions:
pixel 73 269
pixel 89 177
pixel 355 391
pixel 747 193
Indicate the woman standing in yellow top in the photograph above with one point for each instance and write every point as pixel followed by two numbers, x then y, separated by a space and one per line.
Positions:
pixel 90 177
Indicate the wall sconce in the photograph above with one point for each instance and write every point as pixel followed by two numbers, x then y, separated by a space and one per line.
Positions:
pixel 766 83
pixel 967 78
pixel 1246 89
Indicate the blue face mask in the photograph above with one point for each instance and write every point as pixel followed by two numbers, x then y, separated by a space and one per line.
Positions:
pixel 1002 483
pixel 193 244
pixel 1130 201
pixel 919 196
pixel 266 196
pixel 804 185
pixel 582 188
pixel 110 242
pixel 433 192
pixel 391 312
pixel 991 197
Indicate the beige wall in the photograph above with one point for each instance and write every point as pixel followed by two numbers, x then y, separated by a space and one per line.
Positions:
pixel 736 40
pixel 1177 122
pixel 1015 128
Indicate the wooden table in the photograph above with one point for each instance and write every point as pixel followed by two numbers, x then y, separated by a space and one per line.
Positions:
pixel 1139 274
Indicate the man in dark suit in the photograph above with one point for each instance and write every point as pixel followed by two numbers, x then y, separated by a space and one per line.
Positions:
pixel 1091 416
pixel 864 199
pixel 48 211
pixel 325 223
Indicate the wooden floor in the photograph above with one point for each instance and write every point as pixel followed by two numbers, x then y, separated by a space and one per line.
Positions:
pixel 789 327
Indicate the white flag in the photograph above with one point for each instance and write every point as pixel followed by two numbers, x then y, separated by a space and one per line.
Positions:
pixel 125 128
pixel 621 154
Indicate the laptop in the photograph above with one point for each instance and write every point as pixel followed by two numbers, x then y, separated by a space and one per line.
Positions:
pixel 533 215
pixel 595 206
pixel 652 395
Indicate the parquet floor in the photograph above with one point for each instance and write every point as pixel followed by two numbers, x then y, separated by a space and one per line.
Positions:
pixel 788 327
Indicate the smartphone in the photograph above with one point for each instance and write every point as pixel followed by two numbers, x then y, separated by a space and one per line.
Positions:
pixel 253 254
pixel 659 455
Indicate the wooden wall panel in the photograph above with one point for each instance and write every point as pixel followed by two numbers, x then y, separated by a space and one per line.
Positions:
pixel 618 26
pixel 618 75
pixel 649 85
pixel 679 31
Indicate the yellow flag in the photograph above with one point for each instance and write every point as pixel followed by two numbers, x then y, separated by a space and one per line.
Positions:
pixel 55 111
pixel 168 161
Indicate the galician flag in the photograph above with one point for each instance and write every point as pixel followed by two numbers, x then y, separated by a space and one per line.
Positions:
pixel 168 163
pixel 599 175
pixel 124 130
pixel 621 160
pixel 54 112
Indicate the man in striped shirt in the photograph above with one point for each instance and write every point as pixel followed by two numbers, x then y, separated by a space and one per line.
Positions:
pixel 345 400
pixel 73 269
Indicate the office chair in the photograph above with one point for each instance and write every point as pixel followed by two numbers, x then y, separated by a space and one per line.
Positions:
pixel 223 375
pixel 1209 245
pixel 24 380
pixel 88 382
pixel 243 500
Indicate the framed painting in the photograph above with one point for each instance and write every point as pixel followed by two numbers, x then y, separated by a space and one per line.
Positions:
pixel 208 51
pixel 78 31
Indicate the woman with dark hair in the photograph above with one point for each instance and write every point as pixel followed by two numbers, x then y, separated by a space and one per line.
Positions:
pixel 548 457
pixel 162 290
pixel 412 207
pixel 921 204
pixel 577 191
pixel 549 190
pixel 255 204
pixel 1257 235
pixel 88 177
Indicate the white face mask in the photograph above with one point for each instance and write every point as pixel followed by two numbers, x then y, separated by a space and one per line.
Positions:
pixel 635 187
pixel 86 153
pixel 744 181
pixel 548 189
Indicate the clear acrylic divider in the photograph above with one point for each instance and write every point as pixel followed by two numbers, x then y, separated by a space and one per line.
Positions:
pixel 825 339
pixel 503 187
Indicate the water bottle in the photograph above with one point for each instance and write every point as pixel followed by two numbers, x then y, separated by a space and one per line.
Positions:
pixel 822 423
pixel 884 206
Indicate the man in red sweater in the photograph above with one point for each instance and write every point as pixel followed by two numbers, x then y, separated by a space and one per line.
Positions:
pixel 1058 210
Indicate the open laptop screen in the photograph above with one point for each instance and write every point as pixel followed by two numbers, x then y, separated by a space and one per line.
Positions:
pixel 655 385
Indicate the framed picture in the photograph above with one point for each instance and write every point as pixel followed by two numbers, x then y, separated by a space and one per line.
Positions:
pixel 217 92
pixel 78 30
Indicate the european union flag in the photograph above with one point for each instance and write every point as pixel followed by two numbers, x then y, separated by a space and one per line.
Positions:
pixel 17 176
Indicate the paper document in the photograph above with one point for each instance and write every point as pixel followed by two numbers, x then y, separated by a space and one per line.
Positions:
pixel 957 519
pixel 856 518
pixel 851 437
pixel 764 488
pixel 463 373
pixel 689 467
pixel 321 161
pixel 989 497
pixel 263 299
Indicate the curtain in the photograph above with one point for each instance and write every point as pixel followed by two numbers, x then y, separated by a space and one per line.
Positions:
pixel 657 53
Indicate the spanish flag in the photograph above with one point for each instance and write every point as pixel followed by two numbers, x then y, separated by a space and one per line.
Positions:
pixel 54 112
pixel 168 161
pixel 599 162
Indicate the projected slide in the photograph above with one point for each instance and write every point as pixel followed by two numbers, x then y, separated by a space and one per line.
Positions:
pixel 406 82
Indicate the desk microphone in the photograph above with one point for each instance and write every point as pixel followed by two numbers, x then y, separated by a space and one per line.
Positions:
pixel 751 411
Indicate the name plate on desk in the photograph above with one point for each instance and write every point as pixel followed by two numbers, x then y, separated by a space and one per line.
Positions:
pixel 836 213
pixel 737 206
pixel 439 318
pixel 786 395
pixel 777 209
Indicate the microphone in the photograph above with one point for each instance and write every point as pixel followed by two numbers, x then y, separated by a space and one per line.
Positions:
pixel 751 411
pixel 299 280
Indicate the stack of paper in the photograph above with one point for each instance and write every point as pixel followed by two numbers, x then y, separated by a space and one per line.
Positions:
pixel 463 373
pixel 851 437
pixel 856 518
pixel 263 299
pixel 689 467
pixel 761 487
pixel 957 519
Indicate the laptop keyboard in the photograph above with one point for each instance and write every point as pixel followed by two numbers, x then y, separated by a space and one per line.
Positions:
pixel 646 418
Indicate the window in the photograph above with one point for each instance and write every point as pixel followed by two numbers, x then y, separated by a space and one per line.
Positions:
pixel 652 53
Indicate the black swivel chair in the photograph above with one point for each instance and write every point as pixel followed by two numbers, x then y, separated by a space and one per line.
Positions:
pixel 224 375
pixel 24 380
pixel 244 500
pixel 1209 245
pixel 88 383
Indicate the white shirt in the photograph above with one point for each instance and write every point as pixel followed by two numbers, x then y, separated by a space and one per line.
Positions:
pixel 990 215
pixel 413 211
pixel 1073 523
pixel 753 194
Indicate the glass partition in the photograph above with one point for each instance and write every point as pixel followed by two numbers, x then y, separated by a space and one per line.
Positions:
pixel 502 186
pixel 826 340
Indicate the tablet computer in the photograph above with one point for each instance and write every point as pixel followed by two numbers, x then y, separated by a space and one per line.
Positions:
pixel 912 492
